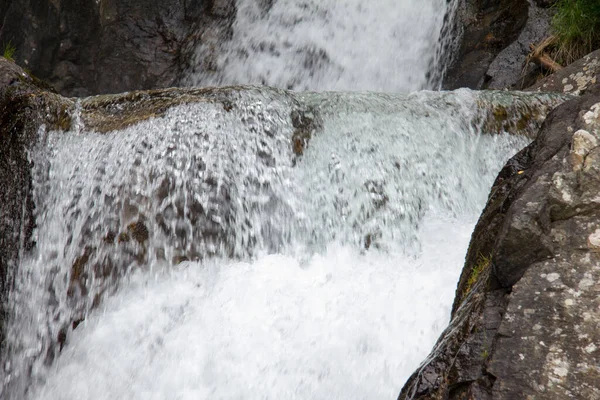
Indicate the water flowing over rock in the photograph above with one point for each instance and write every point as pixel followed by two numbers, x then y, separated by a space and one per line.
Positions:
pixel 103 187
pixel 111 46
pixel 525 317
pixel 24 108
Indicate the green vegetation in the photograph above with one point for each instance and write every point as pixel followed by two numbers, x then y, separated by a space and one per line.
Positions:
pixel 485 354
pixel 482 264
pixel 9 51
pixel 576 25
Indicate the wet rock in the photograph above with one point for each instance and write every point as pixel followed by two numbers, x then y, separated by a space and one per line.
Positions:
pixel 513 114
pixel 23 108
pixel 527 325
pixel 305 123
pixel 485 28
pixel 576 78
pixel 111 46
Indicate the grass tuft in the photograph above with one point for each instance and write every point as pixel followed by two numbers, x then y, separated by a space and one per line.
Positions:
pixel 482 264
pixel 576 24
pixel 9 51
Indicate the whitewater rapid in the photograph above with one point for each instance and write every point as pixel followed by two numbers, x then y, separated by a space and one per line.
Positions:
pixel 340 325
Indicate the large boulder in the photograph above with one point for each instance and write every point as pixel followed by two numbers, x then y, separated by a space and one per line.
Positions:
pixel 110 46
pixel 485 28
pixel 527 308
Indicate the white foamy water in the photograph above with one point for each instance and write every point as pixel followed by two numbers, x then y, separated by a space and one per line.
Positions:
pixel 343 325
pixel 385 46
pixel 326 275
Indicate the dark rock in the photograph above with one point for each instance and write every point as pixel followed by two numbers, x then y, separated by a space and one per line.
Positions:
pixel 510 68
pixel 486 28
pixel 528 325
pixel 576 78
pixel 91 47
pixel 544 3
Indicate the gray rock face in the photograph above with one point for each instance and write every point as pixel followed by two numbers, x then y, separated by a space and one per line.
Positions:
pixel 576 78
pixel 509 69
pixel 526 316
pixel 486 28
pixel 109 46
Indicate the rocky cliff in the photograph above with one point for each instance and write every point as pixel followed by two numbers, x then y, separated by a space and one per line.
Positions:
pixel 110 46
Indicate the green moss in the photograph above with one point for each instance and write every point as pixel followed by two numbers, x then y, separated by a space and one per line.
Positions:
pixel 523 122
pixel 480 266
pixel 500 113
pixel 576 25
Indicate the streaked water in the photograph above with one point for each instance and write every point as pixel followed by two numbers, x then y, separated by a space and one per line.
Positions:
pixel 325 275
pixel 384 46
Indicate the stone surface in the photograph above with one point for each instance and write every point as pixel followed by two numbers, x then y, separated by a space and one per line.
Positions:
pixel 110 46
pixel 576 78
pixel 529 326
pixel 509 68
pixel 486 28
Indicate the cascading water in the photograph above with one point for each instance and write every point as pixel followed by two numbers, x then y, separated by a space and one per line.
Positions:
pixel 388 46
pixel 345 257
pixel 268 245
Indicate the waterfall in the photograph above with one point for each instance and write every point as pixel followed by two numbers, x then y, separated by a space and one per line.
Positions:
pixel 265 243
pixel 388 46
pixel 272 244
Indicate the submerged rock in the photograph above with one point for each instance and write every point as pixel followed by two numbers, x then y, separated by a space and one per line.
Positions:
pixel 171 219
pixel 526 313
